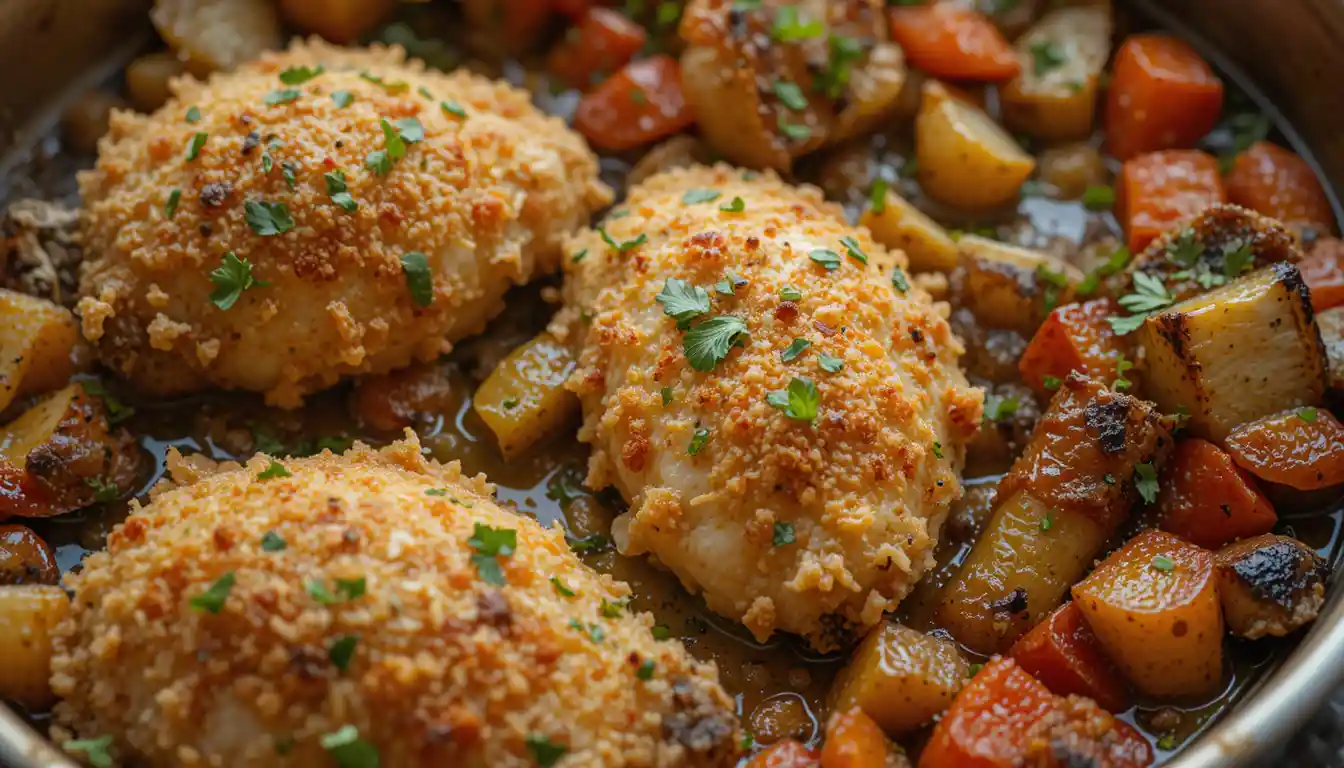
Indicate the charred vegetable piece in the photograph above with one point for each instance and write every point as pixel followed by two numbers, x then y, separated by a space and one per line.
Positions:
pixel 1163 95
pixel 1062 57
pixel 1302 448
pixel 786 754
pixel 1079 732
pixel 1013 288
pixel 900 677
pixel 900 225
pixel 1331 325
pixel 340 21
pixel 1273 181
pixel 40 346
pixel 25 558
pixel 602 42
pixel 1068 492
pixel 524 400
pixel 217 35
pixel 1239 352
pixel 950 41
pixel 1153 605
pixel 27 615
pixel 1323 269
pixel 391 402
pixel 1062 653
pixel 965 159
pixel 1269 585
pixel 853 740
pixel 1208 500
pixel 640 104
pixel 61 455
pixel 1160 191
pixel 1076 337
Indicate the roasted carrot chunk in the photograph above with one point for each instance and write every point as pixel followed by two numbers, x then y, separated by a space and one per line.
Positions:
pixel 1208 500
pixel 637 105
pixel 1323 270
pixel 1271 180
pixel 786 754
pixel 1158 191
pixel 1163 95
pixel 1062 653
pixel 1074 337
pixel 947 40
pixel 601 43
pixel 989 722
pixel 853 740
pixel 1302 448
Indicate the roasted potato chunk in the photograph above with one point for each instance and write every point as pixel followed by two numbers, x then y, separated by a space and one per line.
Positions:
pixel 1062 55
pixel 40 346
pixel 965 158
pixel 217 35
pixel 61 455
pixel 340 21
pixel 1331 325
pixel 1013 288
pixel 28 613
pixel 900 225
pixel 524 400
pixel 1269 585
pixel 147 79
pixel 1238 352
pixel 900 678
pixel 25 558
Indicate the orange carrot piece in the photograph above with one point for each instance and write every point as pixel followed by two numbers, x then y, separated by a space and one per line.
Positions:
pixel 785 754
pixel 1063 654
pixel 1158 191
pixel 853 740
pixel 988 724
pixel 1074 337
pixel 1163 95
pixel 1271 180
pixel 947 40
pixel 641 103
pixel 601 43
pixel 1208 500
pixel 1323 270
pixel 1302 448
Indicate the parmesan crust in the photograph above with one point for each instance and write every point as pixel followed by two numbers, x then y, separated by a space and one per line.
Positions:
pixel 448 668
pixel 486 198
pixel 862 486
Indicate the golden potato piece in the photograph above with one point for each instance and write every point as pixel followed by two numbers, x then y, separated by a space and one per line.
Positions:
pixel 900 677
pixel 965 158
pixel 217 34
pixel 900 225
pixel 524 399
pixel 40 346
pixel 28 613
pixel 147 79
pixel 1014 288
pixel 1062 57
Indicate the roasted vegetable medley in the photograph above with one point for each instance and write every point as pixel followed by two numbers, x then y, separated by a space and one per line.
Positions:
pixel 772 383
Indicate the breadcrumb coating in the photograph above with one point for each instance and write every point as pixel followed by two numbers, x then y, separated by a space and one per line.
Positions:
pixel 448 668
pixel 485 196
pixel 816 527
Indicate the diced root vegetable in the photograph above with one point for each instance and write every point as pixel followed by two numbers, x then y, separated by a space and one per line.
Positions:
pixel 1013 288
pixel 853 740
pixel 1301 448
pixel 1273 181
pixel 524 399
pixel 900 677
pixel 1154 607
pixel 601 43
pixel 1062 653
pixel 1331 325
pixel 785 754
pixel 1075 337
pixel 40 346
pixel 1208 500
pixel 340 21
pixel 1072 169
pixel 900 225
pixel 950 41
pixel 517 25
pixel 217 35
pixel 1058 102
pixel 1323 269
pixel 1270 585
pixel 147 79
pixel 25 558
pixel 965 158
pixel 640 104
pixel 1163 95
pixel 28 614
pixel 988 724
pixel 1160 191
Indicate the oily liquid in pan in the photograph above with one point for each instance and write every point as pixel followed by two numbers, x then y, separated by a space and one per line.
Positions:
pixel 780 686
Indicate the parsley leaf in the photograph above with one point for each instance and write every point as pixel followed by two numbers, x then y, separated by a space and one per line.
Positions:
pixel 1099 198
pixel 1237 258
pixel 1145 481
pixel 231 278
pixel 410 129
pixel 1123 325
pixel 300 75
pixel 212 599
pixel 789 26
pixel 898 280
pixel 379 162
pixel 342 98
pixel 1051 382
pixel 593 542
pixel 170 207
pixel 94 750
pixel 1048 521
pixel 683 301
pixel 1183 249
pixel 799 402
pixel 698 440
pixel 418 279
pixel 625 245
pixel 790 94
pixel 273 470
pixel 937 450
pixel 193 115
pixel 268 219
pixel 855 252
pixel 561 587
pixel 645 671
pixel 1307 414
pixel 273 542
pixel 343 650
pixel 826 258
pixel 1164 563
pixel 784 534
pixel 393 144
pixel 844 53
pixel 454 109
pixel 736 205
pixel 1150 294
pixel 694 196
pixel 1047 56
pixel 795 348
pixel 877 195
pixel 349 750
pixel 490 544
pixel 830 364
pixel 546 752
pixel 195 145
pixel 709 342
pixel 282 96
pixel 790 293
pixel 667 395
pixel 794 131
pixel 338 191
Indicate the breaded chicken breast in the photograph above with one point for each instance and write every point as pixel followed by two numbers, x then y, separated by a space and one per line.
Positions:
pixel 308 611
pixel 319 212
pixel 781 408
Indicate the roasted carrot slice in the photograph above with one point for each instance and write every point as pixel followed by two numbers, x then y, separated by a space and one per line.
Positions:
pixel 1271 180
pixel 1302 448
pixel 601 43
pixel 1158 191
pixel 637 105
pixel 1323 270
pixel 948 40
pixel 1163 95
pixel 1062 653
pixel 1208 500
pixel 853 740
pixel 989 723
pixel 785 754
pixel 1074 337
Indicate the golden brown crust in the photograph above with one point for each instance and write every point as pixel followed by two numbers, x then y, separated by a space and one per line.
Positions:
pixel 862 486
pixel 448 669
pixel 486 198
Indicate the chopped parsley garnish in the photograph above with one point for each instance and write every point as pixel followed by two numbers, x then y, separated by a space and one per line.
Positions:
pixel 343 650
pixel 1237 258
pixel 342 98
pixel 231 278
pixel 580 256
pixel 488 545
pixel 694 196
pixel 1145 481
pixel 747 742
pixel 683 301
pixel 546 752
pixel 790 94
pixel 1164 563
pixel 193 115
pixel 418 279
pixel 409 129
pixel 724 287
pixel 852 247
pixel 396 86
pixel 1048 521
pixel 1118 260
pixel 1099 197
pixel 830 364
pixel 1307 414
pixel 338 191
pixel 898 280
pixel 1055 282
pixel 826 258
pixel 595 632
pixel 974 669
pixel 287 170
pixel 1051 382
pixel 300 75
pixel 593 542
pixel 795 131
pixel 1001 408
pixel 790 26
pixel 194 146
pixel 610 610
pixel 454 109
pixel 273 542
pixel 1047 56
pixel 282 96
pixel 626 245
pixel 170 207
pixel 212 599
pixel 94 750
pixel 666 393
pixel 346 589
pixel 795 348
pixel 661 632
pixel 937 449
pixel 1121 383
pixel 709 342
pixel 736 205
pixel 117 411
pixel 268 219
pixel 1167 742
pixel 1184 250
pixel 698 440
pixel 379 162
pixel 844 53
pixel 349 750
pixel 790 293
pixel 645 671
pixel 561 587
pixel 877 195
pixel 799 402
pixel 510 403
pixel 784 534
pixel 1150 295
pixel 275 469
pixel 102 491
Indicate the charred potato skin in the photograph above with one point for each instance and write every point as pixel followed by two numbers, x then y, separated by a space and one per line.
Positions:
pixel 1270 585
pixel 1003 286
